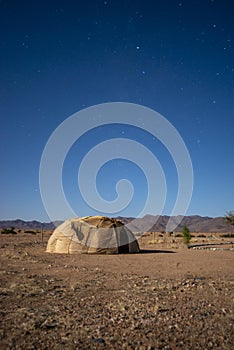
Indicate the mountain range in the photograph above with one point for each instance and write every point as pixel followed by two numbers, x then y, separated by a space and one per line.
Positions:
pixel 195 223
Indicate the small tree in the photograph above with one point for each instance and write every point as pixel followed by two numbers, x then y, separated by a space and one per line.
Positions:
pixel 186 235
pixel 229 218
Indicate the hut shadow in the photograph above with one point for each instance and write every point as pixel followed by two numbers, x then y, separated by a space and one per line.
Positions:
pixel 153 251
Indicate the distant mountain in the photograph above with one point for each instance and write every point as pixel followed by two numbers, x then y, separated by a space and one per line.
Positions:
pixel 195 223
pixel 30 225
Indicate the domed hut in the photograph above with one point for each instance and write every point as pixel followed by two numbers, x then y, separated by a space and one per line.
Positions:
pixel 92 234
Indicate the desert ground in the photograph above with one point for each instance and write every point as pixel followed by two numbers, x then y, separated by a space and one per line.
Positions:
pixel 166 297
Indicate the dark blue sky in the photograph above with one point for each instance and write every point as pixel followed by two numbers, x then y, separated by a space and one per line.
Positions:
pixel 58 57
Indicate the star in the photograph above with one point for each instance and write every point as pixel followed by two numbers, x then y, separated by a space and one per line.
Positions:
pixel 138 47
pixel 24 45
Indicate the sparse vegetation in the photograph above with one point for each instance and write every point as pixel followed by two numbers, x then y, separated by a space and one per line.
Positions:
pixel 30 231
pixel 154 241
pixel 229 218
pixel 228 235
pixel 179 235
pixel 186 235
pixel 8 231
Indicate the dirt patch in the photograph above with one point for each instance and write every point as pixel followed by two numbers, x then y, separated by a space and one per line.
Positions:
pixel 163 298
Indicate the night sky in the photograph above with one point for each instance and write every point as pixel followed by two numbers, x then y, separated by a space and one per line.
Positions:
pixel 58 57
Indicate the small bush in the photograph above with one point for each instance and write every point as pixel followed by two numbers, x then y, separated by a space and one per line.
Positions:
pixel 186 235
pixel 153 241
pixel 228 235
pixel 179 235
pixel 8 231
pixel 30 231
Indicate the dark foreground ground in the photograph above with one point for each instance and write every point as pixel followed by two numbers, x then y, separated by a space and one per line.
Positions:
pixel 159 299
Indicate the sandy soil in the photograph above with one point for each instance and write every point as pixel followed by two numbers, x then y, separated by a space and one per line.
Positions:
pixel 162 298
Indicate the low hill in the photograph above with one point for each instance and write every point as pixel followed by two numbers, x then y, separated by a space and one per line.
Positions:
pixel 195 223
pixel 28 225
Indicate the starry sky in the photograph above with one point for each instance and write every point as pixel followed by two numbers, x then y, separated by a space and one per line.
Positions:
pixel 58 57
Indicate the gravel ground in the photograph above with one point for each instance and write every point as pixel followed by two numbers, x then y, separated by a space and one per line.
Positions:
pixel 57 302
